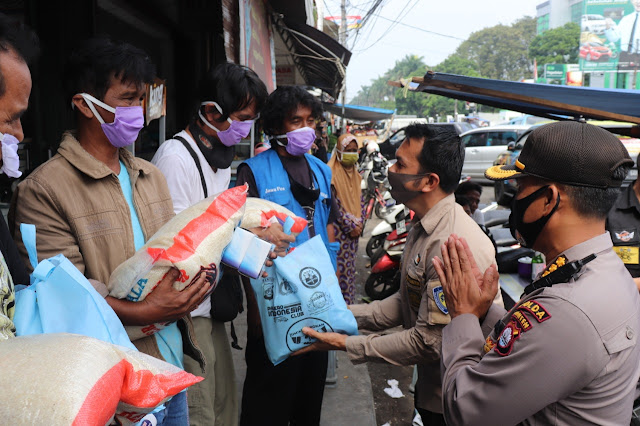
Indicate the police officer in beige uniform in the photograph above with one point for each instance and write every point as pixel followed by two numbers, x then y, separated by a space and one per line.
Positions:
pixel 424 178
pixel 567 353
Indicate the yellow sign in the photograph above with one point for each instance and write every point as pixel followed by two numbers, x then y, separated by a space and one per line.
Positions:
pixel 629 255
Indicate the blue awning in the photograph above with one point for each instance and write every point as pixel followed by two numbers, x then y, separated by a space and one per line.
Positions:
pixel 543 100
pixel 359 113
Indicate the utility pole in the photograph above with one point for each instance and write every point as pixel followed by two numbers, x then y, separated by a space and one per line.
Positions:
pixel 320 23
pixel 343 41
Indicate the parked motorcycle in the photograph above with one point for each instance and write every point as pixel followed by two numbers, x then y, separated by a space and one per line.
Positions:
pixel 384 279
pixel 395 214
pixel 381 210
pixel 376 186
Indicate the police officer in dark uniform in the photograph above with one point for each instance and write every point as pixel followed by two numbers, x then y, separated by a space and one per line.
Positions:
pixel 623 223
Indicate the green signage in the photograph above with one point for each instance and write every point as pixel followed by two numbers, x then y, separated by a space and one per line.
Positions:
pixel 557 71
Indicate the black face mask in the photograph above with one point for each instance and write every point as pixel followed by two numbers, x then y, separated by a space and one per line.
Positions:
pixel 303 195
pixel 527 233
pixel 217 155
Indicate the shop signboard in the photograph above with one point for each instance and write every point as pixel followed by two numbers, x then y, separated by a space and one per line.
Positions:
pixel 256 41
pixel 574 75
pixel 155 104
pixel 608 39
pixel 555 73
pixel 285 75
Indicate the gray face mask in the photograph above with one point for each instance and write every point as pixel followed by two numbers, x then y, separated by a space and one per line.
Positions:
pixel 398 190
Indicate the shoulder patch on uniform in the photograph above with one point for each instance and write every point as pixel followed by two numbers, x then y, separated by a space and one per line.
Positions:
pixel 507 338
pixel 522 320
pixel 538 311
pixel 438 297
pixel 625 236
pixel 488 344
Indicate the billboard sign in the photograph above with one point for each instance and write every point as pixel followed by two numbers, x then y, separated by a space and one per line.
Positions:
pixel 610 35
pixel 256 41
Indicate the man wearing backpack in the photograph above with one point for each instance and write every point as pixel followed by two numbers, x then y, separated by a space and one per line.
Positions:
pixel 196 164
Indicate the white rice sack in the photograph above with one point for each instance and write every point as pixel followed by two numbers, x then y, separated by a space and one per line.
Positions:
pixel 68 379
pixel 192 242
pixel 259 213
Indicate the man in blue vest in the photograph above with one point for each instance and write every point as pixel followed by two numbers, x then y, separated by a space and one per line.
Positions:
pixel 292 391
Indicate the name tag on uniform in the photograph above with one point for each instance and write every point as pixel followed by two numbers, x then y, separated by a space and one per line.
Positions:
pixel 629 255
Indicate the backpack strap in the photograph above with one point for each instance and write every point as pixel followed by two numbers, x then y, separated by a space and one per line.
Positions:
pixel 197 161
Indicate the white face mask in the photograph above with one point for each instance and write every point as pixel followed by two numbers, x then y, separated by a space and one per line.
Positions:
pixel 10 159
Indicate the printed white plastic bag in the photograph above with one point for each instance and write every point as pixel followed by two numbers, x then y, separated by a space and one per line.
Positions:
pixel 68 379
pixel 192 242
pixel 301 291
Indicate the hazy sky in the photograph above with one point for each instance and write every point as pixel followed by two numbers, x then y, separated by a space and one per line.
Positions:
pixel 381 42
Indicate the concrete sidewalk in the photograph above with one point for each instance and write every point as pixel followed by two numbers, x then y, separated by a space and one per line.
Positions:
pixel 349 402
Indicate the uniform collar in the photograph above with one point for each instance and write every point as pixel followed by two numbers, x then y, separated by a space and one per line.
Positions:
pixel 595 245
pixel 73 152
pixel 430 220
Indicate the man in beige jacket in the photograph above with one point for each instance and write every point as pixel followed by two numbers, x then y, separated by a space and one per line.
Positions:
pixel 424 179
pixel 97 204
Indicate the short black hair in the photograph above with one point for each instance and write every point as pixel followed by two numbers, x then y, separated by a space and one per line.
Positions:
pixel 233 87
pixel 92 65
pixel 17 37
pixel 468 186
pixel 462 200
pixel 595 202
pixel 442 152
pixel 282 103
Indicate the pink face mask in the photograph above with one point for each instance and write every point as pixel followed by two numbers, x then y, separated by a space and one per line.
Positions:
pixel 126 125
pixel 237 130
pixel 299 140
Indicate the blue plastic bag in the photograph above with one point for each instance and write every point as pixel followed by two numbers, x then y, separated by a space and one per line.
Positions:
pixel 60 299
pixel 301 290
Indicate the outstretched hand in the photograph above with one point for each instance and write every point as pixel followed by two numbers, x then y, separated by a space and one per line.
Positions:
pixel 467 290
pixel 275 234
pixel 325 342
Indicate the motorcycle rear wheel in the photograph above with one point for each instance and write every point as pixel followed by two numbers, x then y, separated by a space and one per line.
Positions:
pixel 374 244
pixel 383 284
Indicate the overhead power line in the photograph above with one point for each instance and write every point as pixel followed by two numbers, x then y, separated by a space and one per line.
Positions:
pixel 394 23
pixel 398 22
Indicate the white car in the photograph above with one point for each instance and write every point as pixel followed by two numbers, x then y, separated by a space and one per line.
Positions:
pixel 482 146
pixel 593 24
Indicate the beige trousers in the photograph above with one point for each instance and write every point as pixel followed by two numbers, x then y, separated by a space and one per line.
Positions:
pixel 213 401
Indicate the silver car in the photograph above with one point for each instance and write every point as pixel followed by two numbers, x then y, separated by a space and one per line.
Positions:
pixel 482 146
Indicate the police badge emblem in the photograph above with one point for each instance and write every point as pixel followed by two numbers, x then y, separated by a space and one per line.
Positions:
pixel 625 236
pixel 438 297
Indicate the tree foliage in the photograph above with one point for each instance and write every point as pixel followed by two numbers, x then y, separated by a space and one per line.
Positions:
pixel 379 94
pixel 557 45
pixel 501 52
